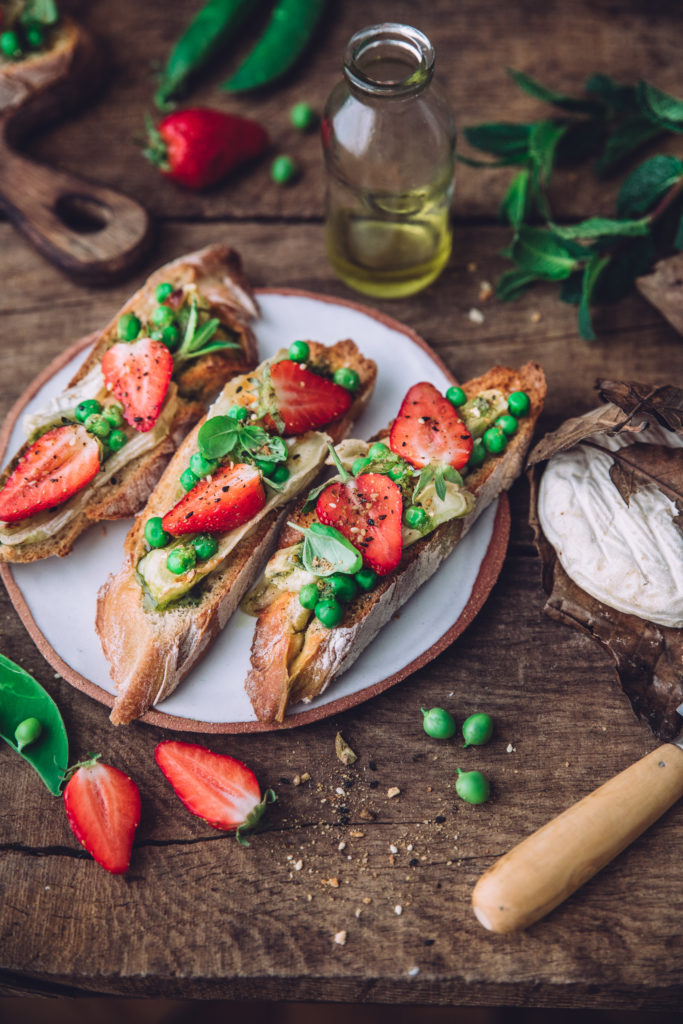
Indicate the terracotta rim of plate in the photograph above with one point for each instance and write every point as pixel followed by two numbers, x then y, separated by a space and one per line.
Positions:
pixel 489 569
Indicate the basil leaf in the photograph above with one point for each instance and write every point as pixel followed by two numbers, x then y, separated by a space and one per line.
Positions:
pixel 217 437
pixel 503 139
pixel 603 227
pixel 543 141
pixel 648 183
pixel 628 137
pixel 594 268
pixel 515 204
pixel 620 98
pixel 327 551
pixel 540 252
pixel 514 283
pixel 556 99
pixel 660 106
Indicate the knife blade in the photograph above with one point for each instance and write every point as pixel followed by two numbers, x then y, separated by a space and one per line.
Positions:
pixel 548 866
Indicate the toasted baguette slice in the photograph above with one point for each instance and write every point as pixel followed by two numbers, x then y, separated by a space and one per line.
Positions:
pixel 216 274
pixel 294 657
pixel 151 651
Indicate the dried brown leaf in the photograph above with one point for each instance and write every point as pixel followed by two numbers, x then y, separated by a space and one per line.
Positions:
pixel 663 403
pixel 603 420
pixel 641 465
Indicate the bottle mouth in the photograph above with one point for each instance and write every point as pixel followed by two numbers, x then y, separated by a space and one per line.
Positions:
pixel 389 59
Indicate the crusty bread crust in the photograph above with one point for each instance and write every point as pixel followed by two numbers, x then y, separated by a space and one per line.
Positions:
pixel 217 273
pixel 295 658
pixel 150 652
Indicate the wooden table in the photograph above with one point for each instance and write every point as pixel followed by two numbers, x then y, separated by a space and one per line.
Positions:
pixel 197 915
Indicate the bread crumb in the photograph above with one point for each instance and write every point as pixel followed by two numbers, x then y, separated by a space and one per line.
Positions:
pixel 471 267
pixel 393 791
pixel 413 972
pixel 485 291
pixel 392 848
pixel 510 749
pixel 356 834
pixel 340 938
pixel 367 900
pixel 398 909
pixel 342 846
pixel 535 317
pixel 475 316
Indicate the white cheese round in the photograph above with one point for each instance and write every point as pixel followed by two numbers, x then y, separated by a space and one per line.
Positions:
pixel 629 557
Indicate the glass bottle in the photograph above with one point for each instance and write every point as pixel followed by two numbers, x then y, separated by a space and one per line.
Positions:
pixel 389 145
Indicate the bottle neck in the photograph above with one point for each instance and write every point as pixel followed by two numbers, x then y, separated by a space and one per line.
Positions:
pixel 390 60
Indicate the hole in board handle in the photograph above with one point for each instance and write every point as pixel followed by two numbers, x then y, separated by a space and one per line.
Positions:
pixel 82 214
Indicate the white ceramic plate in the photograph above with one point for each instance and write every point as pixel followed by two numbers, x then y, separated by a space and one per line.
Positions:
pixel 56 598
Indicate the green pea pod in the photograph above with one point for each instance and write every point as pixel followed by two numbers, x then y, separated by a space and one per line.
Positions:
pixel 202 38
pixel 284 39
pixel 21 697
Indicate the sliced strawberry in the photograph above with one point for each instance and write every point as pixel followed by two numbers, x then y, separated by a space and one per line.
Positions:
pixel 54 468
pixel 103 808
pixel 138 375
pixel 305 400
pixel 232 496
pixel 215 787
pixel 367 510
pixel 428 429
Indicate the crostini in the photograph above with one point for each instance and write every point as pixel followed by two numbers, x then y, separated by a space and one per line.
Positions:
pixel 97 449
pixel 401 504
pixel 212 521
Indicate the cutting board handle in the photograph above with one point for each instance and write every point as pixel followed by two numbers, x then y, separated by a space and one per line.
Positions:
pixel 93 233
pixel 548 866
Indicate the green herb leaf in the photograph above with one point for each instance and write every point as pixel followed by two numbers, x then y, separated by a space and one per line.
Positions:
pixel 203 335
pixel 570 290
pixel 621 99
pixel 628 137
pixel 22 697
pixel 253 818
pixel 514 283
pixel 660 106
pixel 594 268
pixel 541 252
pixel 556 99
pixel 426 477
pixel 628 262
pixel 509 141
pixel 439 483
pixel 217 437
pixel 327 551
pixel 545 135
pixel 648 183
pixel 515 204
pixel 451 474
pixel 603 227
pixel 41 12
pixel 313 495
pixel 678 240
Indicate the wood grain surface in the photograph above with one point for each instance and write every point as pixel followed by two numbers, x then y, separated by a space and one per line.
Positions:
pixel 197 916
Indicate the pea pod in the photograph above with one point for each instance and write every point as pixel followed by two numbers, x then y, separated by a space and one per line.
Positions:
pixel 284 39
pixel 21 698
pixel 202 38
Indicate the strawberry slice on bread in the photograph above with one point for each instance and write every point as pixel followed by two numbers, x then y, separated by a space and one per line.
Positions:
pixel 428 429
pixel 367 510
pixel 232 496
pixel 138 375
pixel 53 469
pixel 306 400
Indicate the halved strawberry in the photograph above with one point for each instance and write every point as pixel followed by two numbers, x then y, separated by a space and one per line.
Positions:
pixel 232 496
pixel 367 510
pixel 103 808
pixel 428 429
pixel 215 787
pixel 53 469
pixel 138 375
pixel 304 399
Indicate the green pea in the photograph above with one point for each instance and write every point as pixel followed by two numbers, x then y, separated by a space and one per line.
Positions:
pixel 299 351
pixel 309 595
pixel 519 404
pixel 494 440
pixel 456 396
pixel 302 116
pixel 347 378
pixel 155 535
pixel 98 425
pixel 366 578
pixel 33 35
pixel 170 336
pixel 360 464
pixel 188 480
pixel 205 546
pixel 128 327
pixel 238 412
pixel 477 455
pixel 27 732
pixel 267 468
pixel 508 424
pixel 473 787
pixel 162 316
pixel 415 517
pixel 181 560
pixel 10 44
pixel 283 170
pixel 201 466
pixel 396 472
pixel 438 723
pixel 329 612
pixel 86 408
pixel 113 414
pixel 116 440
pixel 162 291
pixel 279 474
pixel 343 586
pixel 378 450
pixel 477 729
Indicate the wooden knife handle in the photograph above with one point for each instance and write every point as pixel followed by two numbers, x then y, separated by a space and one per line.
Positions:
pixel 548 866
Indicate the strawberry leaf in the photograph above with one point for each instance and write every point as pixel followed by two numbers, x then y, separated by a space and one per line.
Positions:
pixel 253 818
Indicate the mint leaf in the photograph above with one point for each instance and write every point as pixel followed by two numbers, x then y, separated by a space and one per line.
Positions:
pixel 327 551
pixel 514 206
pixel 217 437
pixel 660 106
pixel 621 99
pixel 509 141
pixel 594 268
pixel 540 252
pixel 603 227
pixel 556 99
pixel 543 141
pixel 648 183
pixel 628 137
pixel 628 262
pixel 513 283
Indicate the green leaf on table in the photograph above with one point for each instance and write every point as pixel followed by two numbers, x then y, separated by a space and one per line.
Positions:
pixel 582 139
pixel 502 139
pixel 570 289
pixel 556 99
pixel 628 137
pixel 513 283
pixel 648 183
pixel 604 227
pixel 545 135
pixel 514 207
pixel 621 99
pixel 629 261
pixel 660 106
pixel 593 269
pixel 540 252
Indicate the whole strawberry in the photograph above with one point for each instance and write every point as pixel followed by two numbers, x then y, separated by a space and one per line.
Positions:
pixel 198 147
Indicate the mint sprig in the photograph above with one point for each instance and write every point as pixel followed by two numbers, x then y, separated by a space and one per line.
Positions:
pixel 198 338
pixel 222 435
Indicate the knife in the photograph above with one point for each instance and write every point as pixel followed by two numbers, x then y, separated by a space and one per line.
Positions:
pixel 552 863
